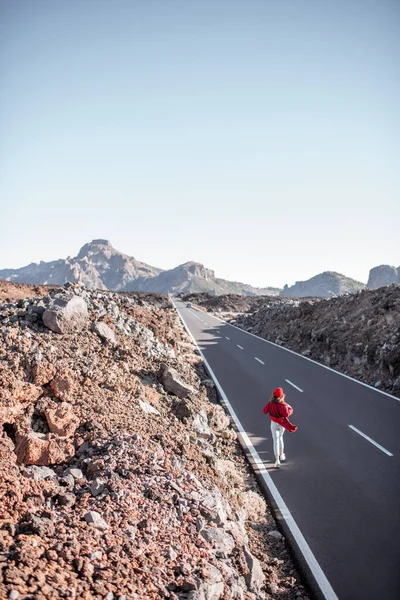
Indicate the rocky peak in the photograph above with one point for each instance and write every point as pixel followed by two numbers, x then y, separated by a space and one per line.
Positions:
pixel 98 265
pixel 94 247
pixel 197 270
pixel 383 275
pixel 324 285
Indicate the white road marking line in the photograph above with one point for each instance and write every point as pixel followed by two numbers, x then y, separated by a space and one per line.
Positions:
pixel 241 347
pixel 218 331
pixel 371 440
pixel 295 386
pixel 327 591
pixel 260 361
pixel 228 338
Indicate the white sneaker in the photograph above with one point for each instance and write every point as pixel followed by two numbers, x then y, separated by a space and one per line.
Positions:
pixel 282 457
pixel 277 464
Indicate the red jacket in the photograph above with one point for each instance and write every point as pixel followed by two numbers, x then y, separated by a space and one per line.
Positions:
pixel 279 413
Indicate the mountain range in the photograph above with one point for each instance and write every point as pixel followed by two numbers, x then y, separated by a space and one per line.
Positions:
pixel 100 266
pixel 329 283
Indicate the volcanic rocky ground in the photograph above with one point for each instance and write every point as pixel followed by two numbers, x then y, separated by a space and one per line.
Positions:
pixel 17 291
pixel 120 475
pixel 229 303
pixel 357 334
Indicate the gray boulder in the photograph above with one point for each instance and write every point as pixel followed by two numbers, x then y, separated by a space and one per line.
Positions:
pixel 97 486
pixel 96 520
pixel 142 334
pixel 39 473
pixel 208 383
pixel 182 409
pixel 66 499
pixel 255 578
pixel 275 534
pixel 75 472
pixel 234 582
pixel 105 332
pixel 200 425
pixel 212 588
pixel 221 540
pixel 212 505
pixel 173 383
pixel 148 408
pixel 66 315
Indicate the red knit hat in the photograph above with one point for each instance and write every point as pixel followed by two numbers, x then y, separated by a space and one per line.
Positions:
pixel 278 393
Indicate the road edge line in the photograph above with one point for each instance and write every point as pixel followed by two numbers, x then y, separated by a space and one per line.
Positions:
pixel 313 573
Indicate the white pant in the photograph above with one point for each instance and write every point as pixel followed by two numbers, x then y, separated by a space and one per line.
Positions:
pixel 277 437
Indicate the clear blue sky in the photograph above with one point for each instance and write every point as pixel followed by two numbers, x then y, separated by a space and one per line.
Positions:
pixel 259 137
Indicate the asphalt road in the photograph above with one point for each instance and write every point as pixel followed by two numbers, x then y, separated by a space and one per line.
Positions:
pixel 342 490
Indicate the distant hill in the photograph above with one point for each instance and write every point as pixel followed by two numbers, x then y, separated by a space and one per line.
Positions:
pixel 192 277
pixel 100 266
pixel 383 275
pixel 324 285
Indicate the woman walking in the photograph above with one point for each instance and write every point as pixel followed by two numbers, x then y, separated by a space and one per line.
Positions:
pixel 279 411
